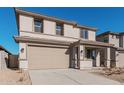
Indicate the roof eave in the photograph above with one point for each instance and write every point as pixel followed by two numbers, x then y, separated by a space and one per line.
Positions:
pixel 87 27
pixel 42 16
pixel 96 43
pixel 19 11
pixel 40 40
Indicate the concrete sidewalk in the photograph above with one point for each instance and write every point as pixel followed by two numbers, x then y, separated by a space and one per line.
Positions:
pixel 68 77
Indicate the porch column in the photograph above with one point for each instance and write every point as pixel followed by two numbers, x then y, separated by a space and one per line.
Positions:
pixel 23 62
pixel 97 58
pixel 117 58
pixel 82 52
pixel 82 55
pixel 108 57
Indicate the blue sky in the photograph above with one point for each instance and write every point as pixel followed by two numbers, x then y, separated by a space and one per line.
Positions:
pixel 105 19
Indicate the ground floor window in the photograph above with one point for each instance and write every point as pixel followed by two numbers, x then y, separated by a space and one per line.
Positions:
pixel 90 53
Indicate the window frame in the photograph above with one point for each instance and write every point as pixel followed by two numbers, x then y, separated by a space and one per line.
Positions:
pixel 61 33
pixel 86 34
pixel 106 40
pixel 83 34
pixel 41 24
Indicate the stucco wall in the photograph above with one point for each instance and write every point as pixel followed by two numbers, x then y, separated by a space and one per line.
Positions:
pixel 114 40
pixel 76 32
pixel 26 23
pixel 91 35
pixel 3 60
pixel 121 59
pixel 23 62
pixel 86 64
pixel 49 27
pixel 45 36
pixel 69 31
pixel 22 55
pixel 97 58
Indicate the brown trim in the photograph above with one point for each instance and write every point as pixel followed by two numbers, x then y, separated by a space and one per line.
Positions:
pixel 36 15
pixel 95 43
pixel 79 56
pixel 86 27
pixel 41 41
pixel 47 45
pixel 17 20
pixel 107 33
pixel 62 30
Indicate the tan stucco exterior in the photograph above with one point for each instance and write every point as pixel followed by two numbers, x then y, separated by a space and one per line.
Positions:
pixel 92 35
pixel 23 54
pixel 70 31
pixel 3 59
pixel 114 40
pixel 26 23
pixel 47 36
pixel 49 27
pixel 120 59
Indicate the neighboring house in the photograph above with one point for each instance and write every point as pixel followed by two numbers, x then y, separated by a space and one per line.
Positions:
pixel 4 58
pixel 118 40
pixel 48 42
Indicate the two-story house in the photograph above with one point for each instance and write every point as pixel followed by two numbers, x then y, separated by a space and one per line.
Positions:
pixel 117 53
pixel 47 42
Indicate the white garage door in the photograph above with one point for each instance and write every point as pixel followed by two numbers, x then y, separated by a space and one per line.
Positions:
pixel 47 57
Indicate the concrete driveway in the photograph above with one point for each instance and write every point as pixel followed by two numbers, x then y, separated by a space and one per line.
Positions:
pixel 68 77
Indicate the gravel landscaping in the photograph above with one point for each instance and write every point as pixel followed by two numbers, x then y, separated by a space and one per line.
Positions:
pixel 116 74
pixel 14 77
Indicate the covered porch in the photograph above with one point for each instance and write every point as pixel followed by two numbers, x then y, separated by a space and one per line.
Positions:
pixel 90 54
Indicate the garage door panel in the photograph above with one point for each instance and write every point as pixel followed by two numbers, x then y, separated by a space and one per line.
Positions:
pixel 46 57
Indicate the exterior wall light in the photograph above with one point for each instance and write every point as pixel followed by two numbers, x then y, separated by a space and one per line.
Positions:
pixel 22 50
pixel 81 52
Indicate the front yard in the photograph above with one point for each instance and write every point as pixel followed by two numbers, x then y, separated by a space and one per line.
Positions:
pixel 116 74
pixel 14 77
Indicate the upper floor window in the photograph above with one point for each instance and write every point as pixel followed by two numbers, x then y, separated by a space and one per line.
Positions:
pixel 84 34
pixel 38 25
pixel 59 29
pixel 105 40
